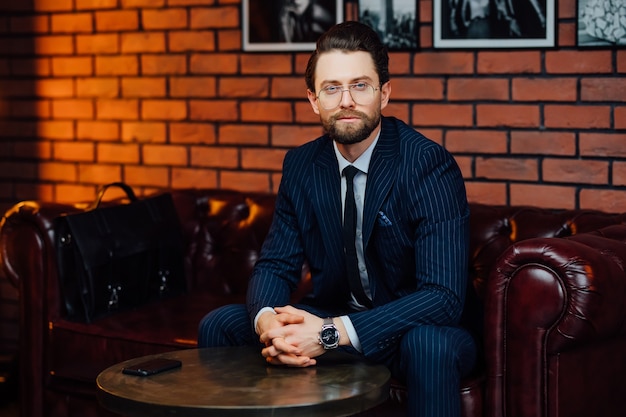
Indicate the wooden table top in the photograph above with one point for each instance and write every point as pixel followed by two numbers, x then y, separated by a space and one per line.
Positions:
pixel 236 381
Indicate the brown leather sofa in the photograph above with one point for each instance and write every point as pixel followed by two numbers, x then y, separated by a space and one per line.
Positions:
pixel 547 302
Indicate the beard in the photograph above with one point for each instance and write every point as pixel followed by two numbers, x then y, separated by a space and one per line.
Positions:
pixel 352 133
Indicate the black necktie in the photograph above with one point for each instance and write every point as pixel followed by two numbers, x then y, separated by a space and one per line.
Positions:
pixel 349 239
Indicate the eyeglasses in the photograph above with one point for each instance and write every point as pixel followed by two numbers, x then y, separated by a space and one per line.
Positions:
pixel 361 93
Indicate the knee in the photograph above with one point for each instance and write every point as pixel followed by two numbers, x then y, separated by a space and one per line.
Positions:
pixel 438 344
pixel 223 325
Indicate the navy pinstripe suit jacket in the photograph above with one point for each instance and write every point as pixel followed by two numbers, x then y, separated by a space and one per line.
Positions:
pixel 415 234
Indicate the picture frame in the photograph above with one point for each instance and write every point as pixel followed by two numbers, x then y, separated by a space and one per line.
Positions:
pixel 395 21
pixel 597 25
pixel 287 25
pixel 494 24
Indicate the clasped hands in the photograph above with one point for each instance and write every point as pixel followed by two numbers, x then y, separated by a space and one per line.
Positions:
pixel 291 336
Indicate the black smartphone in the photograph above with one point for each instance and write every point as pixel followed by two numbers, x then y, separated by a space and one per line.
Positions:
pixel 152 366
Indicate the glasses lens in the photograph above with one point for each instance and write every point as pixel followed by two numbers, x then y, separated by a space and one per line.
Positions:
pixel 361 93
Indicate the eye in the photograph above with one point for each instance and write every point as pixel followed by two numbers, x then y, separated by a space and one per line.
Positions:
pixel 359 86
pixel 332 89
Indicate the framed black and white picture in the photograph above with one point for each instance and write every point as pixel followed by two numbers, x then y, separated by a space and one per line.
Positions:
pixel 601 23
pixel 287 25
pixel 396 21
pixel 494 23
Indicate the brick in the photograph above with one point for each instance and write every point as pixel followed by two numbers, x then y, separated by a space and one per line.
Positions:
pixel 151 132
pixel 164 110
pixel 29 109
pixel 443 63
pixel 96 130
pixel 619 174
pixel 181 41
pixel 266 64
pixel 144 87
pixel 122 109
pixel 117 153
pixel 18 170
pixel 544 89
pixel 501 168
pixel 190 2
pixel 103 87
pixel 621 61
pixel 461 89
pixel 275 178
pixel 577 116
pixel 117 65
pixel 575 62
pixel 52 5
pixel 304 113
pixel 245 181
pixel 476 141
pixel 282 87
pixel 16 128
pixel 399 64
pixel 466 165
pixel 72 109
pixel 95 4
pixel 192 133
pixel 16 88
pixel 189 87
pixel 575 171
pixel 73 151
pixel 51 45
pixel 71 193
pixel 543 143
pixel 514 62
pixel 26 149
pixel 620 117
pixel 603 89
pixel 264 111
pixel 293 135
pixel 117 20
pixel 439 114
pixel 72 23
pixel 54 88
pixel 399 110
pixel 229 40
pixel 99 173
pixel 55 129
pixel 567 34
pixel 246 87
pixel 262 159
pixel 31 66
pixel 170 155
pixel 100 43
pixel 214 63
pixel 147 176
pixel 193 178
pixel 143 42
pixel 164 19
pixel 143 3
pixel 213 110
pixel 486 192
pixel 417 89
pixel 57 172
pixel 215 17
pixel 612 201
pixel 243 134
pixel 29 24
pixel 163 64
pixel 72 66
pixel 548 196
pixel 610 145
pixel 511 115
pixel 214 157
pixel 43 192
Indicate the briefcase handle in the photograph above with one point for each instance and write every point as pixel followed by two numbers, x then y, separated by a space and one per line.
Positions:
pixel 125 187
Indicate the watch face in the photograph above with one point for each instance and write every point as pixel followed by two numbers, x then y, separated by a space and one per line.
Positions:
pixel 328 336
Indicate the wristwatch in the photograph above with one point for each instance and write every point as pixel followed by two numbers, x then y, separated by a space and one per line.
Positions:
pixel 329 335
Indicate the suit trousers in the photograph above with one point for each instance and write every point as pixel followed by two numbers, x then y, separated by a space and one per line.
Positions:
pixel 430 360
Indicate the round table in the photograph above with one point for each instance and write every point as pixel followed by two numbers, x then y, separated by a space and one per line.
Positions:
pixel 236 381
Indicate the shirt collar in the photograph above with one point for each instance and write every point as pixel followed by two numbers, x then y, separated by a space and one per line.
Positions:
pixel 362 162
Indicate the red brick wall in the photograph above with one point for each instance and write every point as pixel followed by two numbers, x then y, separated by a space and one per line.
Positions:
pixel 158 93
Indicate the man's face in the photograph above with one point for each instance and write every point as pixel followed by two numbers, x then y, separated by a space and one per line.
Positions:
pixel 349 122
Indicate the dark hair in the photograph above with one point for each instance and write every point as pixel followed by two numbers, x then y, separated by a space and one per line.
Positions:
pixel 350 37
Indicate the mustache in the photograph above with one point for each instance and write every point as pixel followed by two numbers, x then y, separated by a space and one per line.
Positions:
pixel 349 113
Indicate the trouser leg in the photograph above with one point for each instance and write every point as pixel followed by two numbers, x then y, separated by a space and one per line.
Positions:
pixel 227 326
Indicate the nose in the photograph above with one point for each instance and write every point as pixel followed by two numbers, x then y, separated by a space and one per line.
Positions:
pixel 346 99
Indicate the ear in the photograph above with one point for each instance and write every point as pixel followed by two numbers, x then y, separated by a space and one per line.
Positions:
pixel 313 100
pixel 385 94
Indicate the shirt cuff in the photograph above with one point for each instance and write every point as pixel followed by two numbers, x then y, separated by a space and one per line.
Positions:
pixel 354 339
pixel 261 311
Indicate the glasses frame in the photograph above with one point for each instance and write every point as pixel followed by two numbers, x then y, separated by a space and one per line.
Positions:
pixel 343 90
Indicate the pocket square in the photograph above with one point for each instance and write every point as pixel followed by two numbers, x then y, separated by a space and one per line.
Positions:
pixel 383 220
